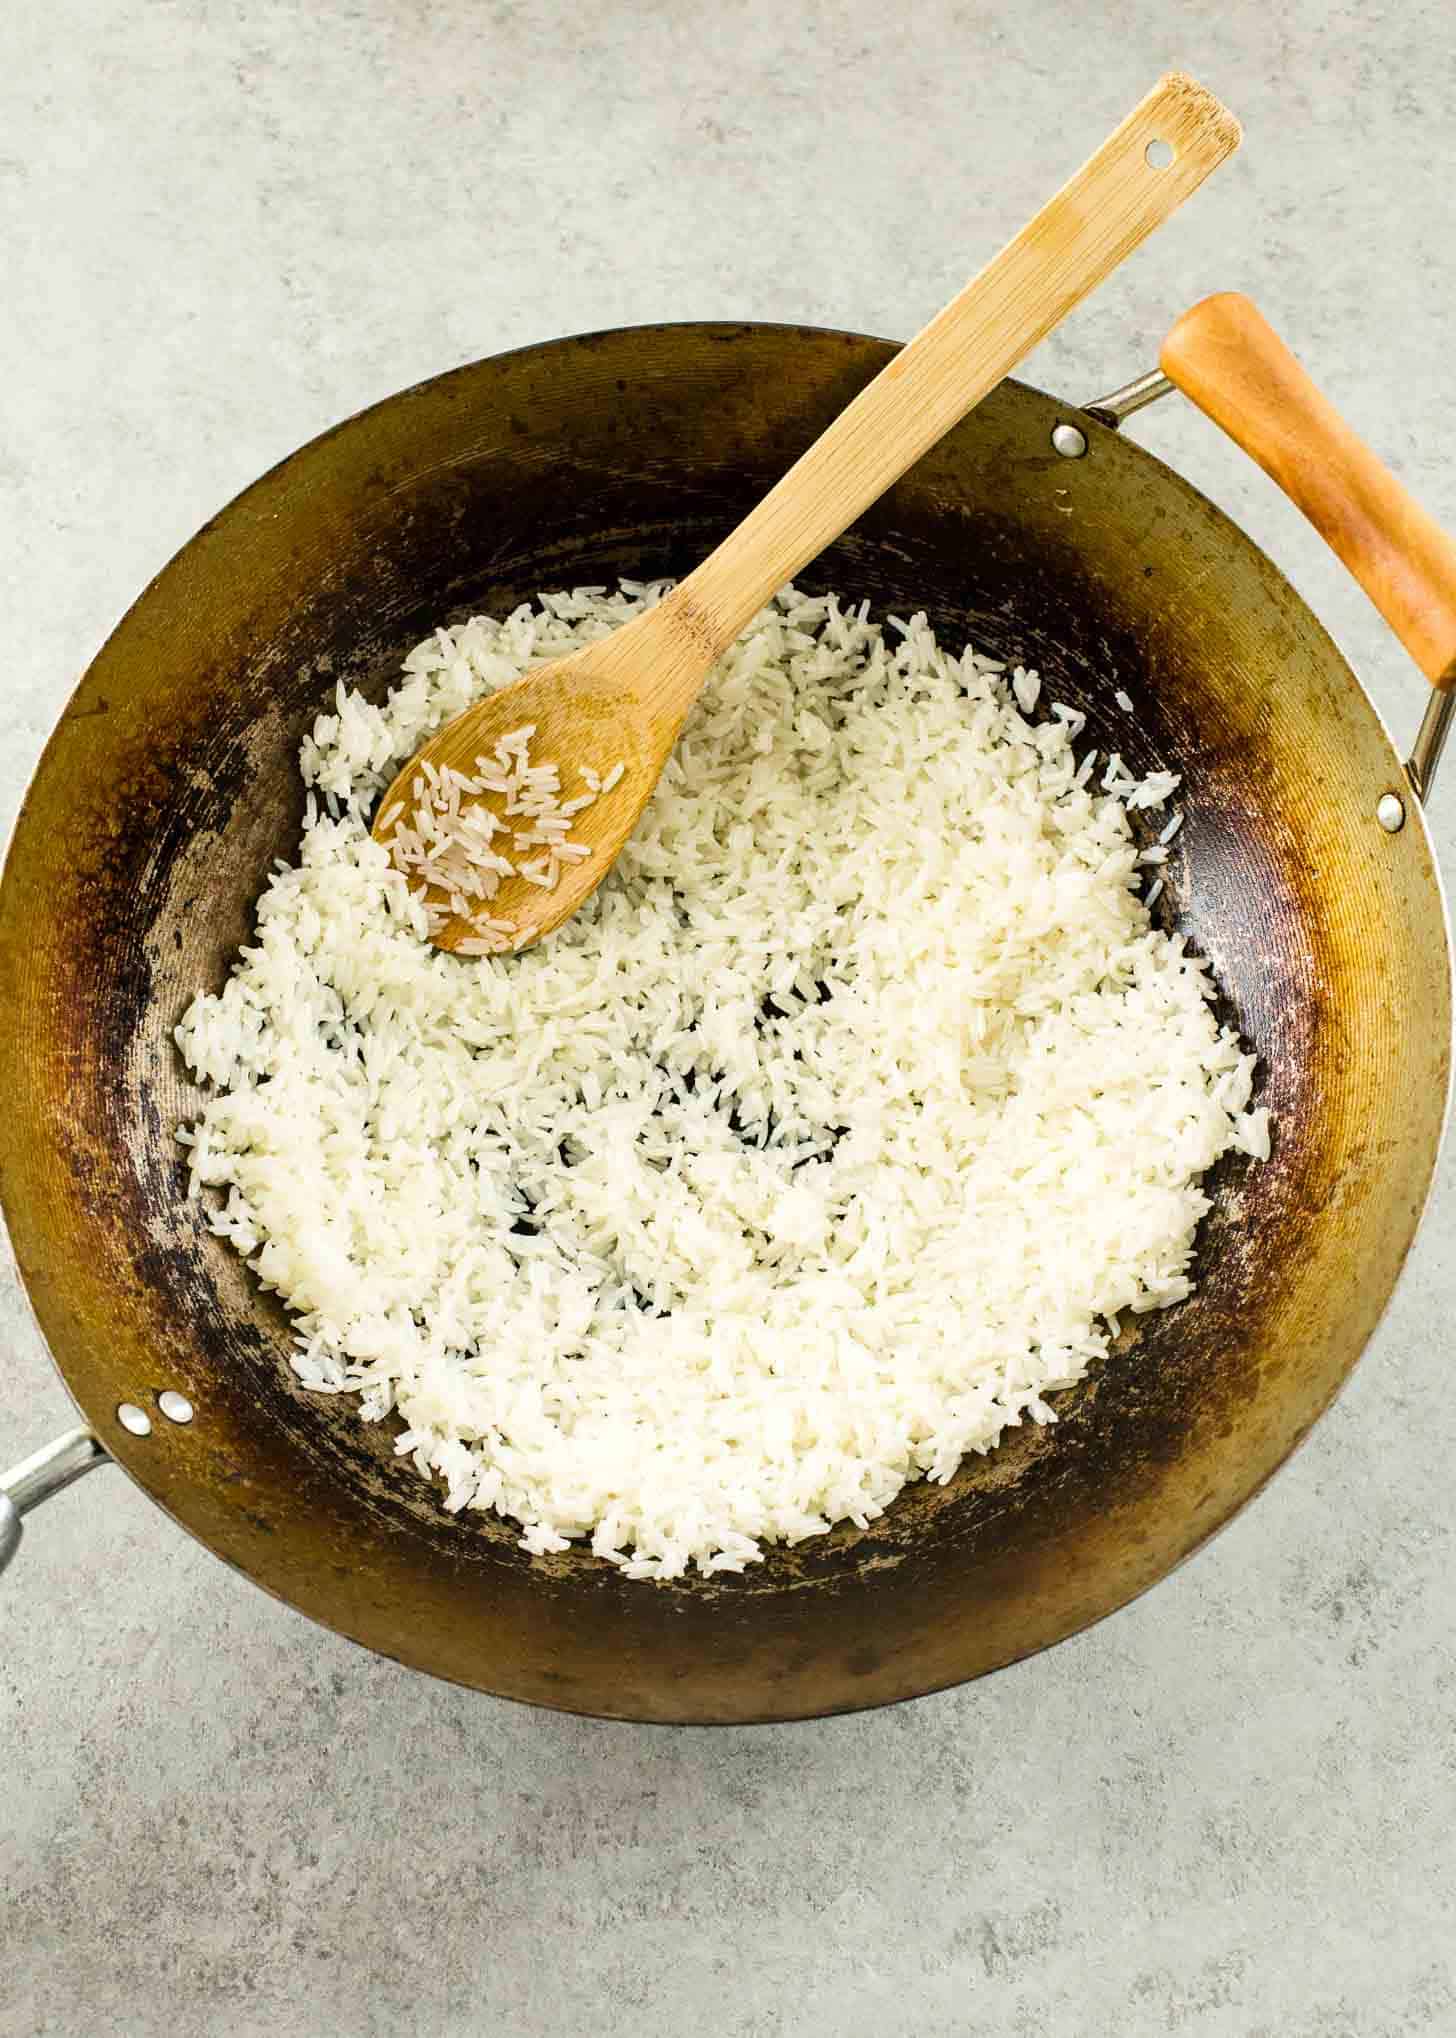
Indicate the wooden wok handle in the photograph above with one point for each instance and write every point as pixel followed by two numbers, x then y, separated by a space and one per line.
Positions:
pixel 1229 360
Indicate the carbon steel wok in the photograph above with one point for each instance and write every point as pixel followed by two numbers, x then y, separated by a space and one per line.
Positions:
pixel 170 783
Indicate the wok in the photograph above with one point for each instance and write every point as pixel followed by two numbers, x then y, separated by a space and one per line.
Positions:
pixel 171 782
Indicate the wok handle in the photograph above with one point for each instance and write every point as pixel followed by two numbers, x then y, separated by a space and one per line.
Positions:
pixel 1227 358
pixel 37 1477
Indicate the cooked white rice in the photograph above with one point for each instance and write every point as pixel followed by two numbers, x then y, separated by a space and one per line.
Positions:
pixel 449 841
pixel 831 1137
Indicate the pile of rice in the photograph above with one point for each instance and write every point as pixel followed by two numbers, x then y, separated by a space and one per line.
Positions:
pixel 452 844
pixel 836 1132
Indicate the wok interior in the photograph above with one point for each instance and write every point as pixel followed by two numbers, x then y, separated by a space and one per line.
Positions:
pixel 172 783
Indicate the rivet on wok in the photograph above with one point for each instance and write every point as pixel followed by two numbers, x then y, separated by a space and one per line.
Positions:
pixel 176 1407
pixel 1069 441
pixel 1390 813
pixel 133 1418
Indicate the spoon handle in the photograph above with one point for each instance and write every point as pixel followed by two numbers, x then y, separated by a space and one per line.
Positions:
pixel 1111 204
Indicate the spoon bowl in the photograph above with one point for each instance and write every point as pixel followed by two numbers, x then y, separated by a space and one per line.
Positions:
pixel 593 716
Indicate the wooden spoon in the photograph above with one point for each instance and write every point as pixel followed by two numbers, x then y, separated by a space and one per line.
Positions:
pixel 623 701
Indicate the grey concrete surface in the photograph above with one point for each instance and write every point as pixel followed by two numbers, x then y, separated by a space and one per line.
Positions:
pixel 223 225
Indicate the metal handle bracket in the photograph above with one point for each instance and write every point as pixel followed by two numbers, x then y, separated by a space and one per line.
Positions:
pixel 36 1478
pixel 1114 410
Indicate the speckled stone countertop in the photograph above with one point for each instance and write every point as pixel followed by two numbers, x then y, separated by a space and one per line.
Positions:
pixel 1229 1810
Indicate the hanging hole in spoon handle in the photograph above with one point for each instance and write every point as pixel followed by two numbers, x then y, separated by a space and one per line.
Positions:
pixel 1229 360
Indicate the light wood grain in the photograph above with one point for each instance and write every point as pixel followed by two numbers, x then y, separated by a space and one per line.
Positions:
pixel 1227 358
pixel 626 697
